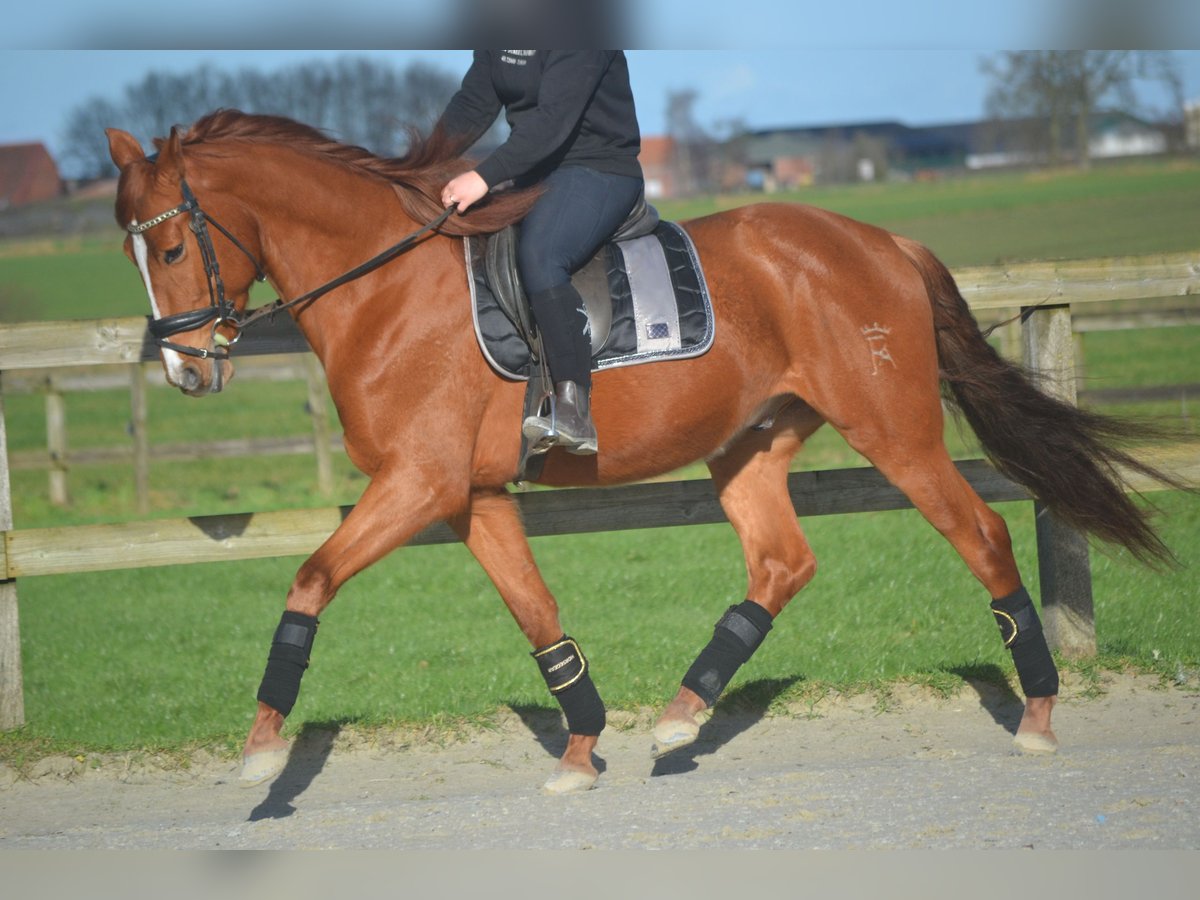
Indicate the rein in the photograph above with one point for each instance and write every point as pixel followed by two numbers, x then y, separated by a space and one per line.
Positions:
pixel 357 272
pixel 222 312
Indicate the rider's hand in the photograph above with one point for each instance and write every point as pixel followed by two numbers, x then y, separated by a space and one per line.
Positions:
pixel 464 190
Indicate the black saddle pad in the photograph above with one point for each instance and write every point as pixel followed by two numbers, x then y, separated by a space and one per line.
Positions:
pixel 660 303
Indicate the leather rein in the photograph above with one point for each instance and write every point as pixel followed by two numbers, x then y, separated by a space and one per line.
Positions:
pixel 221 311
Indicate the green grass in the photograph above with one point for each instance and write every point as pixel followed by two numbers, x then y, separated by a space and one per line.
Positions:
pixel 1141 357
pixel 89 279
pixel 1120 210
pixel 1112 210
pixel 105 493
pixel 168 658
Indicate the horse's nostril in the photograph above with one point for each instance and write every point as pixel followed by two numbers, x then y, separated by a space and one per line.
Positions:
pixel 191 379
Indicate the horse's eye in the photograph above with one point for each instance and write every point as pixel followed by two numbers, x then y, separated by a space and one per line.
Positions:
pixel 173 254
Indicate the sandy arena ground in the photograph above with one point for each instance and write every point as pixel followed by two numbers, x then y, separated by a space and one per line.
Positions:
pixel 927 772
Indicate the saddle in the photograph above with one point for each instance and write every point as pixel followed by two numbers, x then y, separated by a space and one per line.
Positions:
pixel 643 292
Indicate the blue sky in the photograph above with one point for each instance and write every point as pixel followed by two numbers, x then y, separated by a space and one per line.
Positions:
pixel 768 62
pixel 763 87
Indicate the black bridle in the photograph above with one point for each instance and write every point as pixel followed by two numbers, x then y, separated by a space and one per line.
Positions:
pixel 221 311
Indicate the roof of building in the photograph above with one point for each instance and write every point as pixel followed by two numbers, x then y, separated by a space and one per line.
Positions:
pixel 27 172
pixel 920 142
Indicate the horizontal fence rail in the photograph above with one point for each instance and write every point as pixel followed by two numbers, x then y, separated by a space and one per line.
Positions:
pixel 1080 281
pixel 1043 292
pixel 223 538
pixel 88 548
pixel 991 291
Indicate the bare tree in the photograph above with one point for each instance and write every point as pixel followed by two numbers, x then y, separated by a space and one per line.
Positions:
pixel 86 147
pixel 696 153
pixel 1051 95
pixel 358 100
pixel 732 153
pixel 424 93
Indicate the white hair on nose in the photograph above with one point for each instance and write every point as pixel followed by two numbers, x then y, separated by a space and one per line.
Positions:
pixel 173 360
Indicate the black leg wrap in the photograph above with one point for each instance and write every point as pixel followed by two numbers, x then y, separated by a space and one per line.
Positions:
pixel 735 638
pixel 287 661
pixel 565 669
pixel 1021 630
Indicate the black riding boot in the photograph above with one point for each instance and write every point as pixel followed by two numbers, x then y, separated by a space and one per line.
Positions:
pixel 567 345
pixel 569 423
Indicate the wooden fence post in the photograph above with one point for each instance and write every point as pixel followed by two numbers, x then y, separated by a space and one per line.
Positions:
pixel 1065 572
pixel 314 376
pixel 141 440
pixel 56 442
pixel 1010 340
pixel 12 692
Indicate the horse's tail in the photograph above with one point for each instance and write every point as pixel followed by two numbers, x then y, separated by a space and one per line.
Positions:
pixel 1067 457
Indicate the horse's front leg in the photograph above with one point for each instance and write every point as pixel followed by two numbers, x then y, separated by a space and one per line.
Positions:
pixel 492 530
pixel 394 507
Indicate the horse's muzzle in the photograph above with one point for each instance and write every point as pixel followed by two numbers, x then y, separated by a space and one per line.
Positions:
pixel 199 377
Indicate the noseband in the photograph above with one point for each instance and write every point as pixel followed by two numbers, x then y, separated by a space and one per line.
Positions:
pixel 220 310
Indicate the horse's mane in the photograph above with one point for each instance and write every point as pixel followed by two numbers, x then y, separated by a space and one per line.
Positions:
pixel 420 174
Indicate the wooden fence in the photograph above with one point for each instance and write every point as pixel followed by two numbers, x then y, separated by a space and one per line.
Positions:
pixel 137 377
pixel 58 458
pixel 1043 293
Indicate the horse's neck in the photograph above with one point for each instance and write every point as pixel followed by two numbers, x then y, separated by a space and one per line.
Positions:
pixel 317 226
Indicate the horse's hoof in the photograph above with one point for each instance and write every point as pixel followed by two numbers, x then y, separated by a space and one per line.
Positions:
pixel 1035 742
pixel 260 767
pixel 570 781
pixel 677 733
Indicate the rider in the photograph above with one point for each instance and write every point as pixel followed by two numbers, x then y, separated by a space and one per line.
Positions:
pixel 573 129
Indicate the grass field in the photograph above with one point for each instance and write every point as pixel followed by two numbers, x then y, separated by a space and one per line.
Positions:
pixel 1109 211
pixel 170 657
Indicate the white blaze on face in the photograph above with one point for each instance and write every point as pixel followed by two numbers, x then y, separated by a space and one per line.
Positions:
pixel 173 360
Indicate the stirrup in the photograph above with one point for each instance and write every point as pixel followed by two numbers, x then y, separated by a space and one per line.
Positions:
pixel 544 432
pixel 540 432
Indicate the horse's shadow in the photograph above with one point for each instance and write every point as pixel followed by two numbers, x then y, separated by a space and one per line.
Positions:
pixel 310 751
pixel 546 726
pixel 995 696
pixel 738 711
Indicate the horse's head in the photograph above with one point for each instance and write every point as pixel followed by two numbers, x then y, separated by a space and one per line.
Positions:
pixel 197 287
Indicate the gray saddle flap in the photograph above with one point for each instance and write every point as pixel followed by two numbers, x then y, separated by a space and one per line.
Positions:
pixel 645 297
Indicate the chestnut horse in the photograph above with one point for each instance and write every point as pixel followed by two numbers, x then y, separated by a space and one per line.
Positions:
pixel 819 318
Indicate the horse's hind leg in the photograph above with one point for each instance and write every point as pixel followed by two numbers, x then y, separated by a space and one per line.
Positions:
pixel 981 538
pixel 751 482
pixel 909 450
pixel 492 530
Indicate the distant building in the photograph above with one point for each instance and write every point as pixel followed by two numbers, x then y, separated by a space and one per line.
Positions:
pixel 1191 124
pixel 1025 141
pixel 659 167
pixel 786 158
pixel 28 174
pixel 1117 134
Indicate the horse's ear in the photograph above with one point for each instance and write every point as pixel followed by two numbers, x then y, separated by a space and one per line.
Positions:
pixel 170 156
pixel 123 147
